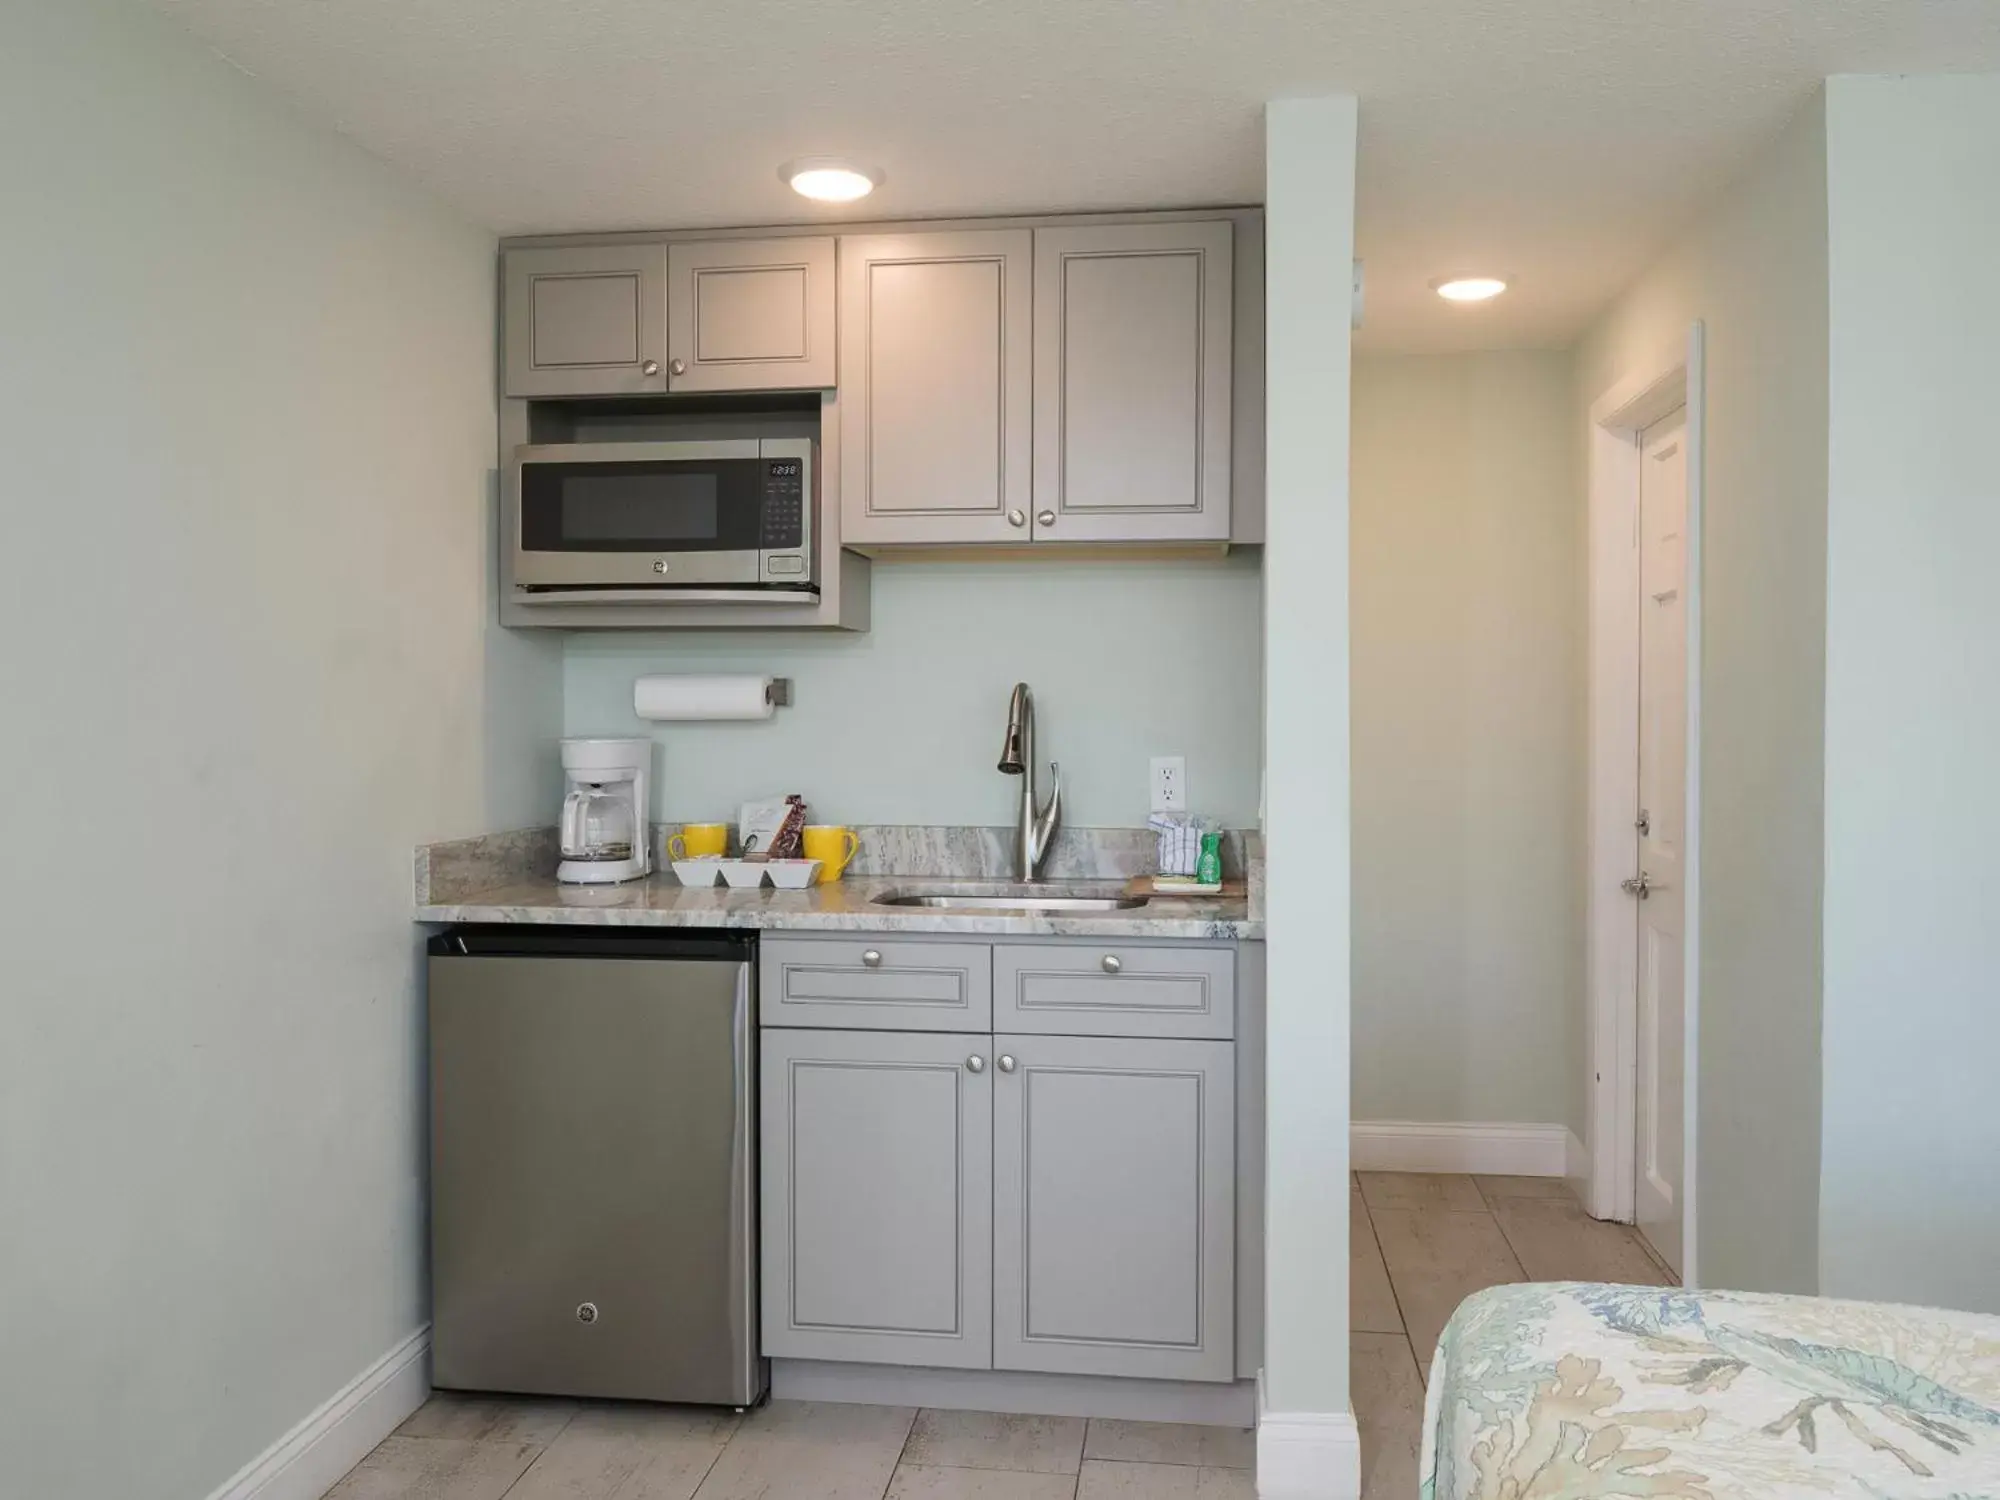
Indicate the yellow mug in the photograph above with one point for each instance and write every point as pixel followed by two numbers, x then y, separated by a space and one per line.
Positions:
pixel 832 847
pixel 699 841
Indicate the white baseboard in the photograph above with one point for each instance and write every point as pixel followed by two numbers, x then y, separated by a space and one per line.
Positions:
pixel 1453 1146
pixel 1307 1455
pixel 310 1459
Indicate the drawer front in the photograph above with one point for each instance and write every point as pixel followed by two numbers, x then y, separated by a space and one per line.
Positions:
pixel 1113 989
pixel 868 983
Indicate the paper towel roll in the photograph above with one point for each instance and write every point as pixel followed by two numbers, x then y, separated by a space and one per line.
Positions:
pixel 702 697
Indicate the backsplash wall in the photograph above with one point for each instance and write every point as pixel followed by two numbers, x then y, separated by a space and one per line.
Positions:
pixel 903 725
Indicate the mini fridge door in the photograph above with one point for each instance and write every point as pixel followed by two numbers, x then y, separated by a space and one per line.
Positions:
pixel 593 1182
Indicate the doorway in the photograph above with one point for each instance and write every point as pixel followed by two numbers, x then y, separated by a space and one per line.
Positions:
pixel 1644 866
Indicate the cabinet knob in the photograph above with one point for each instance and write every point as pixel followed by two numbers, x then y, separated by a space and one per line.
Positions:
pixel 678 367
pixel 1017 518
pixel 872 958
pixel 1045 518
pixel 1006 1063
pixel 1111 963
pixel 975 1064
pixel 650 367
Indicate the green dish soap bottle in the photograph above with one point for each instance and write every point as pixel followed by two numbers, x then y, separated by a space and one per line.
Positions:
pixel 1208 866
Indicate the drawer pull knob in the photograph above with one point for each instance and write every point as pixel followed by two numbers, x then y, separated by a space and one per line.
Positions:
pixel 872 958
pixel 1006 1063
pixel 975 1064
pixel 1111 964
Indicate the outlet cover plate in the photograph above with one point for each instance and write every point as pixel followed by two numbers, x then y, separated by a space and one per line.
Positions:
pixel 1169 784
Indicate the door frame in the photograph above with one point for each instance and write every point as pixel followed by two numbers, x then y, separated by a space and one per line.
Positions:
pixel 1621 412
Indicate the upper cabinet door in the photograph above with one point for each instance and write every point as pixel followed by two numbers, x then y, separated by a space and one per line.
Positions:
pixel 935 376
pixel 586 320
pixel 1132 382
pixel 750 315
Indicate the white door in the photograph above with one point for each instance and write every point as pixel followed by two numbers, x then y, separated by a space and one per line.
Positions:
pixel 1661 907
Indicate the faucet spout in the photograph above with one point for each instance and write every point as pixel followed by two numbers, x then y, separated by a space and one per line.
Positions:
pixel 1036 828
pixel 1020 732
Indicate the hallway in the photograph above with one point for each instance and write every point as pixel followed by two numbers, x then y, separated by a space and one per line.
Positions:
pixel 1424 1243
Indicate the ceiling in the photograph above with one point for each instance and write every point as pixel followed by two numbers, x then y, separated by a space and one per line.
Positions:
pixel 1555 141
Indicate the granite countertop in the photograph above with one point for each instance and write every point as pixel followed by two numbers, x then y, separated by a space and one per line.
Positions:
pixel 510 877
pixel 842 906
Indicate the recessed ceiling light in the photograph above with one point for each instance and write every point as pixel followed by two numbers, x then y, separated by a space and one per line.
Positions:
pixel 1469 288
pixel 829 179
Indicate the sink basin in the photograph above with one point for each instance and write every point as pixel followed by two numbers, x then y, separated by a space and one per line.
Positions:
pixel 1015 903
pixel 1018 898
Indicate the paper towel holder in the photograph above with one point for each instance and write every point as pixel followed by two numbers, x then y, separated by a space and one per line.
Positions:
pixel 778 692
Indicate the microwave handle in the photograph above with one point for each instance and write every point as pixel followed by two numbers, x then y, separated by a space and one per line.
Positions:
pixel 751 596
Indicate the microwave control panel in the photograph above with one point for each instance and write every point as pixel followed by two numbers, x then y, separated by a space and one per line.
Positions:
pixel 784 504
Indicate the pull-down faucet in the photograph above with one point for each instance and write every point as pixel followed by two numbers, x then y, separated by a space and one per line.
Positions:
pixel 1017 758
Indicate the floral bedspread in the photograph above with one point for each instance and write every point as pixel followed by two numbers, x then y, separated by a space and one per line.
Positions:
pixel 1571 1390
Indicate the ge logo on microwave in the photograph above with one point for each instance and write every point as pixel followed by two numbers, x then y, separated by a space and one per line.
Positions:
pixel 660 565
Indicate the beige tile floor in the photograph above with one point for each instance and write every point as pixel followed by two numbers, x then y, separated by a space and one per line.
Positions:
pixel 1420 1245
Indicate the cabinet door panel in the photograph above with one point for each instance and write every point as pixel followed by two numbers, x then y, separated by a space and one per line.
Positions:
pixel 751 315
pixel 935 377
pixel 1132 382
pixel 1114 1207
pixel 586 320
pixel 878 1198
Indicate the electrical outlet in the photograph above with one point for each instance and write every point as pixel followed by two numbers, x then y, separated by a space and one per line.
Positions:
pixel 1169 783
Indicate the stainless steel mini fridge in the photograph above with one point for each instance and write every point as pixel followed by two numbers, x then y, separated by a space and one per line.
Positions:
pixel 594 1163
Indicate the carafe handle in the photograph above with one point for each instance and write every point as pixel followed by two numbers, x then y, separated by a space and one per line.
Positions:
pixel 572 823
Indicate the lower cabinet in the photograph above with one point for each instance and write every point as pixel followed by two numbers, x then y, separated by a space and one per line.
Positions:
pixel 1063 1204
pixel 1114 1207
pixel 878 1197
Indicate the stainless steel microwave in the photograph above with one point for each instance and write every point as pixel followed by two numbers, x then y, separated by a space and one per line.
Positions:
pixel 731 519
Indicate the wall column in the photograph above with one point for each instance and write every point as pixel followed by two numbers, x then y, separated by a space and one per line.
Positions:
pixel 1306 1441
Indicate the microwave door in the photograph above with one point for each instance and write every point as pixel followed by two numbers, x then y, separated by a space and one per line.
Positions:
pixel 619 516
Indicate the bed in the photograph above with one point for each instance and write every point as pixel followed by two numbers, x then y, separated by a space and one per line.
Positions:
pixel 1573 1390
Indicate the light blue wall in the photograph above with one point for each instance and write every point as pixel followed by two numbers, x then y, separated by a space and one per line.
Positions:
pixel 1910 1168
pixel 1468 759
pixel 1128 659
pixel 246 369
pixel 1753 269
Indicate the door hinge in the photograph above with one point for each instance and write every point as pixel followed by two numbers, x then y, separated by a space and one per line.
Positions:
pixel 1639 885
pixel 1644 822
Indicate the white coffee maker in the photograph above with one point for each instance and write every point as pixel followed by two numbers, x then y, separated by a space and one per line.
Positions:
pixel 605 835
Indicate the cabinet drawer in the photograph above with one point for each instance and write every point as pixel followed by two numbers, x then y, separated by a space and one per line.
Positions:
pixel 873 984
pixel 1114 989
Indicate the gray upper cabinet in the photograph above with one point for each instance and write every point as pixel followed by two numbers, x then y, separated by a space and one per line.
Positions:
pixel 935 375
pixel 586 320
pixel 1133 334
pixel 750 315
pixel 878 1197
pixel 1114 1207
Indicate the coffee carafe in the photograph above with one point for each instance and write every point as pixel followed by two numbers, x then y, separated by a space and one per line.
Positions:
pixel 604 832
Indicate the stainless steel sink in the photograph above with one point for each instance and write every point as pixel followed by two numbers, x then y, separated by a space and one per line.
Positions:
pixel 1012 898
